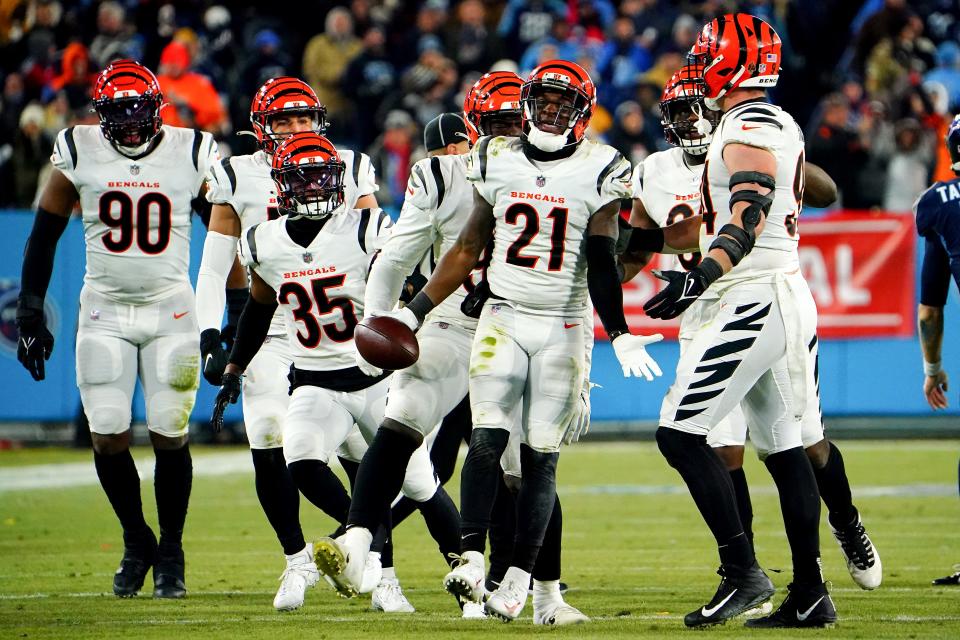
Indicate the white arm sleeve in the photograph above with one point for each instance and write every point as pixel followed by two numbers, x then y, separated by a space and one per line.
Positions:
pixel 412 237
pixel 219 250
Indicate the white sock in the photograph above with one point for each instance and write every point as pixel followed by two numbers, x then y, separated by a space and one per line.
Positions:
pixel 308 550
pixel 546 592
pixel 516 575
pixel 389 573
pixel 474 557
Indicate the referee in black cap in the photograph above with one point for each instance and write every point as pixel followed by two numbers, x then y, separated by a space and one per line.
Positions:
pixel 446 135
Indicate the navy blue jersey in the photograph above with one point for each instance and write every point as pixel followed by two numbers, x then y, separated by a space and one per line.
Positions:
pixel 938 222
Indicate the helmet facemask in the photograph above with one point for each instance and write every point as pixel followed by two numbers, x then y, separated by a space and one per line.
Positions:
pixel 311 190
pixel 263 125
pixel 686 124
pixel 551 111
pixel 132 122
pixel 507 122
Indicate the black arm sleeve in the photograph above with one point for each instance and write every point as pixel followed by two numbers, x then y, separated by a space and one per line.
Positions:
pixel 604 284
pixel 39 253
pixel 236 301
pixel 935 274
pixel 251 330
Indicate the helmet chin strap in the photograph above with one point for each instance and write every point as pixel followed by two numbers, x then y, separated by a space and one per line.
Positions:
pixel 549 142
pixel 703 126
pixel 131 152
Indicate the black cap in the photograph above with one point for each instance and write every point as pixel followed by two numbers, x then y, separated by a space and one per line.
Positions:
pixel 446 128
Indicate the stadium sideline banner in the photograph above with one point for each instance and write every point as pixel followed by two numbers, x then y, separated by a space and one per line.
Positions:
pixel 860 267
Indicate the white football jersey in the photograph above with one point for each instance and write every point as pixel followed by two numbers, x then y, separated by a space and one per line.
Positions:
pixel 136 211
pixel 438 202
pixel 542 210
pixel 320 287
pixel 767 126
pixel 669 189
pixel 244 183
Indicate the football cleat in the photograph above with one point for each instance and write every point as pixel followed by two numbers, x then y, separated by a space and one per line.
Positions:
pixel 372 573
pixel 508 600
pixel 138 557
pixel 300 574
pixel 763 610
pixel 951 580
pixel 803 607
pixel 473 610
pixel 388 597
pixel 862 558
pixel 168 572
pixel 559 614
pixel 330 559
pixel 739 591
pixel 465 580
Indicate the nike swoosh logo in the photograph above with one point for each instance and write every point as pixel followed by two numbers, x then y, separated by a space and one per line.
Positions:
pixel 712 610
pixel 511 607
pixel 177 316
pixel 468 535
pixel 688 285
pixel 806 614
pixel 567 325
pixel 746 128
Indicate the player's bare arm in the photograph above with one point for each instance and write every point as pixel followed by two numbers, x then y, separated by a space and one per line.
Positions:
pixel 819 188
pixel 368 201
pixel 648 238
pixel 930 330
pixel 35 343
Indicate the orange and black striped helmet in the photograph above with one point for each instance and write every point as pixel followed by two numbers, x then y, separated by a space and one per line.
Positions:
pixel 494 96
pixel 127 98
pixel 308 173
pixel 735 50
pixel 681 105
pixel 568 79
pixel 283 95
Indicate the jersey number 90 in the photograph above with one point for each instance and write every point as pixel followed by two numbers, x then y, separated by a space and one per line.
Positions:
pixel 117 212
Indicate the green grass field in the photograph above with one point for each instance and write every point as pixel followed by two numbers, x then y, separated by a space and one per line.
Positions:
pixel 637 554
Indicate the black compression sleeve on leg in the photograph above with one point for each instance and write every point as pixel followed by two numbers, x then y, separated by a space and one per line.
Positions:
pixel 279 497
pixel 503 528
pixel 350 468
pixel 800 504
pixel 478 486
pixel 322 487
pixel 120 481
pixel 252 328
pixel 39 252
pixel 172 481
pixel 744 506
pixel 443 523
pixel 834 487
pixel 538 492
pixel 603 282
pixel 709 483
pixel 380 477
pixel 548 561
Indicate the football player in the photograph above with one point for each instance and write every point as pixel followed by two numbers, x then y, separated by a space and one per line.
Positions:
pixel 135 180
pixel 666 189
pixel 540 192
pixel 313 263
pixel 938 221
pixel 243 194
pixel 756 349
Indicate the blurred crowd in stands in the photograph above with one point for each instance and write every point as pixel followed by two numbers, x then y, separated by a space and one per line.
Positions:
pixel 874 83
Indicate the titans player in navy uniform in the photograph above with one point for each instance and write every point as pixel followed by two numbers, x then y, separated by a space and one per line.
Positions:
pixel 938 222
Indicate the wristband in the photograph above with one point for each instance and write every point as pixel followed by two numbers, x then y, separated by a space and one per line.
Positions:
pixel 932 368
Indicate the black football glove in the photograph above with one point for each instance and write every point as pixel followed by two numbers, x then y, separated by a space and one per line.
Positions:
pixel 682 289
pixel 215 357
pixel 34 342
pixel 228 394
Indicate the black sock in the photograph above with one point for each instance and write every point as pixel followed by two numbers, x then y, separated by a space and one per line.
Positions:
pixel 383 541
pixel 744 506
pixel 478 486
pixel 800 504
pixel 322 487
pixel 402 510
pixel 710 485
pixel 835 489
pixel 538 493
pixel 380 477
pixel 548 562
pixel 443 522
pixel 453 431
pixel 279 497
pixel 350 468
pixel 120 481
pixel 503 527
pixel 172 481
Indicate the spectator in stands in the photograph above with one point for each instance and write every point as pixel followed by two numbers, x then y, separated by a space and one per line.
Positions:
pixel 115 38
pixel 428 31
pixel 472 45
pixel 31 151
pixel 621 62
pixel 556 44
pixel 392 155
pixel 326 59
pixel 219 47
pixel 947 72
pixel 909 167
pixel 191 100
pixel 12 101
pixel 633 134
pixel 876 128
pixel 268 60
pixel 838 148
pixel 76 79
pixel 367 81
pixel 594 16
pixel 524 22
pixel 882 25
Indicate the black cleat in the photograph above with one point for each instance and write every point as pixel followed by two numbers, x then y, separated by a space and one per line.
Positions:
pixel 168 573
pixel 739 591
pixel 139 554
pixel 949 581
pixel 803 607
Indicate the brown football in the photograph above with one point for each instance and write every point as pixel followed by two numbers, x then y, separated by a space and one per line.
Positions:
pixel 386 342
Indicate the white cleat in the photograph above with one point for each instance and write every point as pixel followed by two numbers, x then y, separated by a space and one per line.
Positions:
pixel 342 561
pixel 372 573
pixel 559 614
pixel 465 581
pixel 862 558
pixel 473 611
pixel 388 597
pixel 300 574
pixel 508 600
pixel 764 609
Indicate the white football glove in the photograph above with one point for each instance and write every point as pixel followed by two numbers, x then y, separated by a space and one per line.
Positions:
pixel 580 424
pixel 365 367
pixel 632 353
pixel 404 315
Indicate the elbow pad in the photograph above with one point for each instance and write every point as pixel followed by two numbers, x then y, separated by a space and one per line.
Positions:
pixel 735 242
pixel 759 203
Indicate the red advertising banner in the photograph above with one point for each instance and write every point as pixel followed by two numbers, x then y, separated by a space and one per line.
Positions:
pixel 860 266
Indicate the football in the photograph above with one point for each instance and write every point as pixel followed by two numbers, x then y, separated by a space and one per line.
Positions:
pixel 386 342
